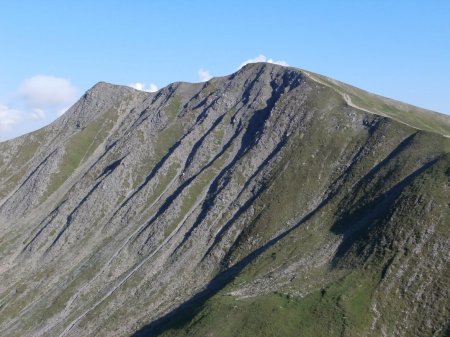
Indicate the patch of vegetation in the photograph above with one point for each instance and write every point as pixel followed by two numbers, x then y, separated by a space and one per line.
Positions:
pixel 416 117
pixel 173 108
pixel 342 309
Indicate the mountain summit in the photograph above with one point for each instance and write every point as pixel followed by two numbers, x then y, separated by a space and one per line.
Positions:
pixel 270 202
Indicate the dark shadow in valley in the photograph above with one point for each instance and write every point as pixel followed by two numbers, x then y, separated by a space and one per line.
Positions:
pixel 355 223
pixel 187 310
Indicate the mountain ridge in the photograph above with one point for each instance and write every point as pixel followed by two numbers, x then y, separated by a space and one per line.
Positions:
pixel 255 190
pixel 316 77
pixel 444 118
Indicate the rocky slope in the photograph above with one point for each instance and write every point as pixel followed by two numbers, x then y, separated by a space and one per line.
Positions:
pixel 271 202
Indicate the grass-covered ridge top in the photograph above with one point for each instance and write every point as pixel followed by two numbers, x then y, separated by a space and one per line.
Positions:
pixel 413 116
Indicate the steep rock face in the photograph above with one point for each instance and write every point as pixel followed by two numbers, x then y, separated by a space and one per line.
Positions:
pixel 289 202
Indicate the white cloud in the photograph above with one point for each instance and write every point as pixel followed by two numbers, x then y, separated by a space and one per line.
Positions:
pixel 8 118
pixel 263 58
pixel 37 113
pixel 43 91
pixel 137 86
pixel 204 75
pixel 152 88
pixel 141 86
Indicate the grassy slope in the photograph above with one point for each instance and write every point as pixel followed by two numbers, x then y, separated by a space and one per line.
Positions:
pixel 371 212
pixel 416 117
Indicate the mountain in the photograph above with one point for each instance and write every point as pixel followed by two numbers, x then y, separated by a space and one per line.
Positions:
pixel 270 202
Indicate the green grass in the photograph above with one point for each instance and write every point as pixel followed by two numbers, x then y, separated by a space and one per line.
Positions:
pixel 416 117
pixel 173 108
pixel 341 309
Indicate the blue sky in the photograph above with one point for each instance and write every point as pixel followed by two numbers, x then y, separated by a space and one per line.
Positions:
pixel 53 51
